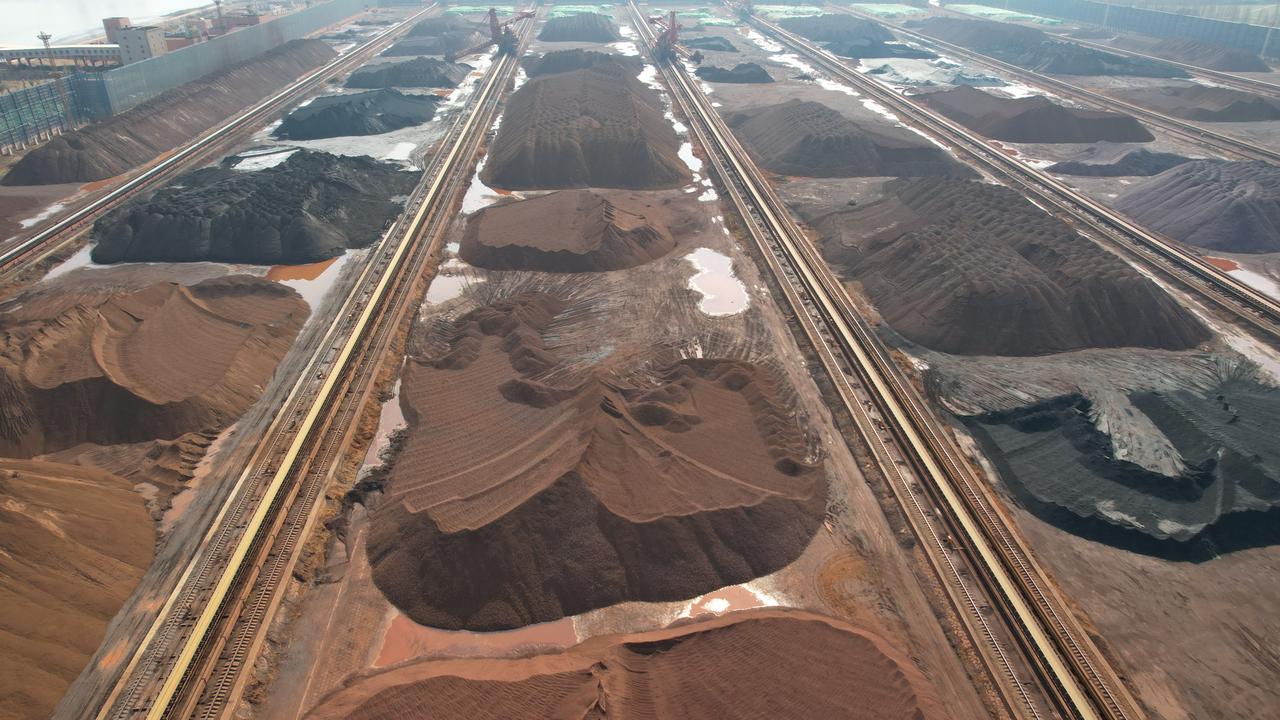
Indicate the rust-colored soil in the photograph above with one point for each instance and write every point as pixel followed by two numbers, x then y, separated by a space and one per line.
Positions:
pixel 115 367
pixel 775 664
pixel 538 496
pixel 576 231
pixel 74 542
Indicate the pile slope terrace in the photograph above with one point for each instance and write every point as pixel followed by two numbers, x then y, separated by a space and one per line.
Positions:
pixel 580 27
pixel 1033 119
pixel 741 73
pixel 1205 55
pixel 598 127
pixel 576 231
pixel 1104 160
pixel 74 542
pixel 1034 50
pixel 311 207
pixel 366 113
pixel 852 37
pixel 970 268
pixel 1063 469
pixel 113 367
pixel 439 36
pixel 542 500
pixel 117 145
pixel 578 59
pixel 1205 103
pixel 1226 206
pixel 809 139
pixel 420 72
pixel 752 665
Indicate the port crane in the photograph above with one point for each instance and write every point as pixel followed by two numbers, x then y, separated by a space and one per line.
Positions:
pixel 500 34
pixel 668 46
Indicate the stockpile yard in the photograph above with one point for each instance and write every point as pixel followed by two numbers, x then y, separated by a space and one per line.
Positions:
pixel 559 362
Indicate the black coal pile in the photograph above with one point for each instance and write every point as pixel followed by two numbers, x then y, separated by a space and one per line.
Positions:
pixel 1227 206
pixel 445 44
pixel 366 113
pixel 447 23
pixel 566 60
pixel 852 37
pixel 1227 498
pixel 809 139
pixel 1204 103
pixel 970 268
pixel 1033 119
pixel 598 127
pixel 709 42
pixel 580 27
pixel 416 73
pixel 1033 49
pixel 1132 163
pixel 741 73
pixel 311 207
pixel 1205 55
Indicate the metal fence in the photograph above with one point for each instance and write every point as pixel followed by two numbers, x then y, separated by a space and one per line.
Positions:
pixel 1253 38
pixel 138 82
pixel 36 113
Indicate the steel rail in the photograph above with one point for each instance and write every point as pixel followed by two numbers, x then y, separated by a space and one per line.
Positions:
pixel 1060 650
pixel 1192 132
pixel 1241 301
pixel 361 309
pixel 210 142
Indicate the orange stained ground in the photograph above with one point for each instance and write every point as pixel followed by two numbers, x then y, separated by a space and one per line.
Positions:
pixel 1222 263
pixel 309 271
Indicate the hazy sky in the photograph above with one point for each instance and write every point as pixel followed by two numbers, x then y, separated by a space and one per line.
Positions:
pixel 20 20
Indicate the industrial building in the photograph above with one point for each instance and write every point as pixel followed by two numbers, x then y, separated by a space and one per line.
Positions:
pixel 141 42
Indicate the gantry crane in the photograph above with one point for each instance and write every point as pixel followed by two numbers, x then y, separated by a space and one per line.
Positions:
pixel 668 46
pixel 500 34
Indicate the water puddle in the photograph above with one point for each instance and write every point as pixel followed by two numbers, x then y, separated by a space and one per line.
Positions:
pixel 400 152
pixel 81 259
pixel 729 599
pixel 313 280
pixel 390 419
pixel 1257 281
pixel 449 282
pixel 407 640
pixel 722 292
pixel 264 159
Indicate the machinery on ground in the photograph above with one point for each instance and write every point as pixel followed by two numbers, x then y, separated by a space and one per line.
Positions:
pixel 668 46
pixel 500 34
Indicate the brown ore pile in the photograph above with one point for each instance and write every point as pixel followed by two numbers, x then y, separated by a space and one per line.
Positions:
pixel 542 491
pixel 749 666
pixel 1205 103
pixel 114 146
pixel 591 127
pixel 113 367
pixel 574 231
pixel 1227 206
pixel 970 268
pixel 74 542
pixel 580 27
pixel 1200 54
pixel 809 139
pixel 1033 119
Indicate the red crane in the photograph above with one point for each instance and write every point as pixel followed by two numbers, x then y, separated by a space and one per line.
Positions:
pixel 668 46
pixel 499 34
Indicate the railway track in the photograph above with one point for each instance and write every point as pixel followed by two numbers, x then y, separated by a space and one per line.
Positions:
pixel 207 146
pixel 194 659
pixel 1191 132
pixel 1170 259
pixel 936 487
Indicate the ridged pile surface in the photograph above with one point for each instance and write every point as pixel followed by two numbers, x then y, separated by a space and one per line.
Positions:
pixel 1200 54
pixel 809 139
pixel 756 665
pixel 1103 161
pixel 578 59
pixel 740 73
pixel 1228 206
pixel 1033 119
pixel 311 207
pixel 971 268
pixel 116 367
pixel 366 113
pixel 580 27
pixel 109 148
pixel 1205 103
pixel 1033 49
pixel 541 499
pixel 419 72
pixel 598 127
pixel 74 542
pixel 569 231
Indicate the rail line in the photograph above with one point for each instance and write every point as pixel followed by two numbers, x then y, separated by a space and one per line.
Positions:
pixel 208 145
pixel 193 660
pixel 1258 311
pixel 1191 132
pixel 1076 679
